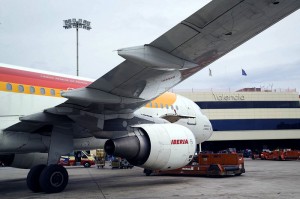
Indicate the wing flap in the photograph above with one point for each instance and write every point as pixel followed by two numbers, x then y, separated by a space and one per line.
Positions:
pixel 97 96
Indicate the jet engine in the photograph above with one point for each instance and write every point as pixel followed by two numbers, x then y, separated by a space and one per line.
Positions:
pixel 155 146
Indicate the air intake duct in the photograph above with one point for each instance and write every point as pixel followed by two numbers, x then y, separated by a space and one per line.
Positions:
pixel 135 147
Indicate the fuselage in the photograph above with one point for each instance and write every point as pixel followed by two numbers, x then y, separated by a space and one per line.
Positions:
pixel 26 91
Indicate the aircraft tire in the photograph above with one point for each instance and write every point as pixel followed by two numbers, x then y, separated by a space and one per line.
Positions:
pixel 33 176
pixel 54 179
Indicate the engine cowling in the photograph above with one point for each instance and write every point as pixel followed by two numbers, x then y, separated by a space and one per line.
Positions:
pixel 155 146
pixel 24 160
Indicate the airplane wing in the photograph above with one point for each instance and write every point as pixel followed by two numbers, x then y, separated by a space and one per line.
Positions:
pixel 152 69
pixel 191 45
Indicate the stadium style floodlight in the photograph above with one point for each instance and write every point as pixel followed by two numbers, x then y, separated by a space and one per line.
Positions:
pixel 73 23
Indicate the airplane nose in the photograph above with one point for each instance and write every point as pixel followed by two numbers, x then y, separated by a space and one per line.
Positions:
pixel 209 129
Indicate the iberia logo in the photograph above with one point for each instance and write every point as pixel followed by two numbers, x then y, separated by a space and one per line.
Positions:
pixel 181 141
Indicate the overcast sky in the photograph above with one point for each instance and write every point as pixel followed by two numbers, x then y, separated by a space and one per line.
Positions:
pixel 31 35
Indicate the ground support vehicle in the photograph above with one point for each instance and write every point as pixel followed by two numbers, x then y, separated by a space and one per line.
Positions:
pixel 281 154
pixel 247 153
pixel 115 164
pixel 256 156
pixel 120 163
pixel 69 160
pixel 228 150
pixel 124 164
pixel 100 158
pixel 209 165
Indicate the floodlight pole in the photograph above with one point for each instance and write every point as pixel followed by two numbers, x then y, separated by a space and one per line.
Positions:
pixel 77 68
pixel 73 23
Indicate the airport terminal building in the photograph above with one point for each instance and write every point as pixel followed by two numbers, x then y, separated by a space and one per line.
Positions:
pixel 250 118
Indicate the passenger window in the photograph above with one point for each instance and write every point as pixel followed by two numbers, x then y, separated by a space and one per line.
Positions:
pixel 42 90
pixel 167 106
pixel 151 104
pixel 161 106
pixel 32 89
pixel 21 88
pixel 172 107
pixel 52 92
pixel 8 87
pixel 156 105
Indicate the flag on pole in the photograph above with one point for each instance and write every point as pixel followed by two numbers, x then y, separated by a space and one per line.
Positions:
pixel 244 72
pixel 210 72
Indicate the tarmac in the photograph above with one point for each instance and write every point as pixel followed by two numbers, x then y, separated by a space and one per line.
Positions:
pixel 263 179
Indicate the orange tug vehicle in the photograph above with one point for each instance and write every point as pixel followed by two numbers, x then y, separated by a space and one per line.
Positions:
pixel 280 154
pixel 208 165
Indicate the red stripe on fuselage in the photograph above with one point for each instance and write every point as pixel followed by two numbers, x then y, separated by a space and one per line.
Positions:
pixel 40 79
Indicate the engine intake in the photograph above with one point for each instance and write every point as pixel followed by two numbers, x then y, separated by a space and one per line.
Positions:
pixel 155 146
pixel 135 148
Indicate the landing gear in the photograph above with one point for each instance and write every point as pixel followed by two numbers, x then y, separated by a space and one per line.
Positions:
pixel 50 179
pixel 34 176
pixel 54 179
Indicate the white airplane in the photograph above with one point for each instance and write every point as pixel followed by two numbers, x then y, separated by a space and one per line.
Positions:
pixel 128 110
